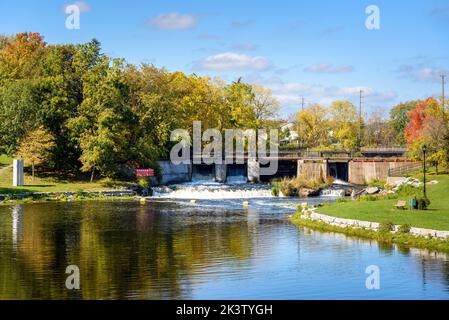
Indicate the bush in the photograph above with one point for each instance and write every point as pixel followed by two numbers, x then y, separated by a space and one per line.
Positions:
pixel 386 227
pixel 144 183
pixel 275 189
pixel 404 229
pixel 405 190
pixel 291 187
pixel 377 183
pixel 423 203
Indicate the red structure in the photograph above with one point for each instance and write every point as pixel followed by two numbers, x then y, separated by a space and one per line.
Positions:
pixel 145 172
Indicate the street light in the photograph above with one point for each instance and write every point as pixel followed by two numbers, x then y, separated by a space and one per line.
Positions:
pixel 424 150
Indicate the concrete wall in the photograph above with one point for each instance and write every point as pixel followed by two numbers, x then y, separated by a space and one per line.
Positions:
pixel 363 172
pixel 312 170
pixel 171 173
pixel 253 171
pixel 220 172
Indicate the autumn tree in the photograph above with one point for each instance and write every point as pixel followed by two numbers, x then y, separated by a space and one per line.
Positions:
pixel 313 127
pixel 429 125
pixel 265 105
pixel 36 147
pixel 344 124
pixel 378 131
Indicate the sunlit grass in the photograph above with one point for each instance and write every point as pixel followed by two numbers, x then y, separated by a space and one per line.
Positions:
pixel 54 184
pixel 436 217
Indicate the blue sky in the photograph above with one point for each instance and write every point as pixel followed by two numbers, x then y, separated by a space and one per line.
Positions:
pixel 319 50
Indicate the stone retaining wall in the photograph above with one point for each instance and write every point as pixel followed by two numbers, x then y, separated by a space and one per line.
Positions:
pixel 340 222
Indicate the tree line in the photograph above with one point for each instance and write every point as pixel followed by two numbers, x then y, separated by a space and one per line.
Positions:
pixel 100 114
pixel 73 108
pixel 411 124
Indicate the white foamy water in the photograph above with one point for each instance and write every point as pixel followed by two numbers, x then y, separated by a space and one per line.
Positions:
pixel 336 193
pixel 212 191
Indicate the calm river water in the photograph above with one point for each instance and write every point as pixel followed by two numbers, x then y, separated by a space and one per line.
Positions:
pixel 173 249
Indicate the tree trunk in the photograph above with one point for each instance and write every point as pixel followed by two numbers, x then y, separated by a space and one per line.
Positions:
pixel 92 175
pixel 436 168
pixel 32 170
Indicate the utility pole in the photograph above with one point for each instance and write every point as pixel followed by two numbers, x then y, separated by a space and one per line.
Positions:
pixel 360 121
pixel 299 124
pixel 442 83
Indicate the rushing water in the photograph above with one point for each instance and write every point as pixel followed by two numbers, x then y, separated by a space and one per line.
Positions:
pixel 170 248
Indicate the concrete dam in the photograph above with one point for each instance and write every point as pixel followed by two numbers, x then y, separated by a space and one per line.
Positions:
pixel 356 170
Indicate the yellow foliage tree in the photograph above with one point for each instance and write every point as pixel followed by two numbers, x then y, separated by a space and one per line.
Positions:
pixel 36 147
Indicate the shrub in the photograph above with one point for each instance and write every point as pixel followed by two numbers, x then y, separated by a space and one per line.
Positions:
pixel 423 203
pixel 144 183
pixel 275 189
pixel 404 229
pixel 79 193
pixel 407 190
pixel 386 227
pixel 377 183
pixel 291 187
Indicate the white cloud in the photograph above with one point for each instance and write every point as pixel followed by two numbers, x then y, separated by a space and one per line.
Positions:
pixel 233 61
pixel 421 73
pixel 329 68
pixel 173 21
pixel 290 94
pixel 83 6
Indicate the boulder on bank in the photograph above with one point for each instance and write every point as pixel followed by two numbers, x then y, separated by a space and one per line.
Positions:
pixel 395 181
pixel 306 192
pixel 372 190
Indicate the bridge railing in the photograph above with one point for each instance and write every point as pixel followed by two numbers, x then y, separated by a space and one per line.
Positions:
pixel 407 168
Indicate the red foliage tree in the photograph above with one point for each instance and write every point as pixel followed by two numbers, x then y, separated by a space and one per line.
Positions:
pixel 417 119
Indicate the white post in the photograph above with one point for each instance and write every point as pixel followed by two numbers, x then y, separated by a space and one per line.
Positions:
pixel 17 176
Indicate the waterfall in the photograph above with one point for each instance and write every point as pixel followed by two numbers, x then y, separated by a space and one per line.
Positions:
pixel 212 191
pixel 203 173
pixel 236 179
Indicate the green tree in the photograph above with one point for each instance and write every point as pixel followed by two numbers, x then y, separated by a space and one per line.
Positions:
pixel 104 123
pixel 399 119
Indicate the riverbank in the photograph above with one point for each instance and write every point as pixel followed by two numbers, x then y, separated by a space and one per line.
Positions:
pixel 382 209
pixel 377 218
pixel 400 238
pixel 41 197
pixel 53 183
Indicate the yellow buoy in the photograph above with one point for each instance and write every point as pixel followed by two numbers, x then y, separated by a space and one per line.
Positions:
pixel 192 201
pixel 143 200
pixel 245 203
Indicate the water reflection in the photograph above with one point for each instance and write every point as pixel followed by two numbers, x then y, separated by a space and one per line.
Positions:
pixel 166 250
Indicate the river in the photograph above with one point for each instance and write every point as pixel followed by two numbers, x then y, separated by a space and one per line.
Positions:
pixel 216 248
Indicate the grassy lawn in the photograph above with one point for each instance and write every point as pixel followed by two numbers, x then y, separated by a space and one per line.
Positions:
pixel 5 161
pixel 436 217
pixel 54 184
